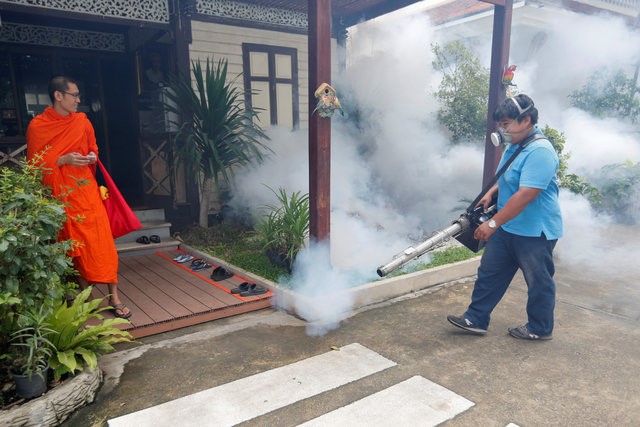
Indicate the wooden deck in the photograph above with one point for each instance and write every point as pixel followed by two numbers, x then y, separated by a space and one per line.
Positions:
pixel 164 295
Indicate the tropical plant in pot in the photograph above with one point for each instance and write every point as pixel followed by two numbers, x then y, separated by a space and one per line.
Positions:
pixel 81 334
pixel 33 349
pixel 285 228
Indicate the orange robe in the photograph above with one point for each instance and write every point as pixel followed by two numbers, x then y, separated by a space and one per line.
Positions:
pixel 53 135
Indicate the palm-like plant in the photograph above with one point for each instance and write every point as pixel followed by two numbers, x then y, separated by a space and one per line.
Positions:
pixel 285 228
pixel 215 130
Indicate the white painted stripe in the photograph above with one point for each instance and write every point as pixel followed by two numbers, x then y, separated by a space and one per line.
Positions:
pixel 416 401
pixel 249 397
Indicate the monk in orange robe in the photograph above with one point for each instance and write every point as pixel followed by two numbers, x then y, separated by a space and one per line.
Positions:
pixel 66 142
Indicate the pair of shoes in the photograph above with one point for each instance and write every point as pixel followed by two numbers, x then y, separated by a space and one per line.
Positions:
pixel 182 258
pixel 199 265
pixel 523 333
pixel 154 238
pixel 466 324
pixel 242 287
pixel 246 289
pixel 118 311
pixel 220 273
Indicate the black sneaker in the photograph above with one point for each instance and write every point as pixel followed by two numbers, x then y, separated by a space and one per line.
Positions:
pixel 464 323
pixel 523 333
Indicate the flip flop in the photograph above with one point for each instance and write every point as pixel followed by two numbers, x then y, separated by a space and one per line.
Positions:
pixel 143 240
pixel 120 307
pixel 243 287
pixel 154 238
pixel 254 290
pixel 200 267
pixel 183 258
pixel 220 273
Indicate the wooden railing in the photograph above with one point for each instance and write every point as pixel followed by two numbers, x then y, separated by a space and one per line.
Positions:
pixel 12 150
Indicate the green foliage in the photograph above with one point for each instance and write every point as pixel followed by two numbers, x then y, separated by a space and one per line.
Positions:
pixel 619 185
pixel 237 244
pixel 463 92
pixel 216 131
pixel 33 340
pixel 285 228
pixel 609 93
pixel 78 343
pixel 570 181
pixel 33 262
pixel 558 141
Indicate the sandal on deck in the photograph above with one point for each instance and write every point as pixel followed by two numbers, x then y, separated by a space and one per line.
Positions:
pixel 118 311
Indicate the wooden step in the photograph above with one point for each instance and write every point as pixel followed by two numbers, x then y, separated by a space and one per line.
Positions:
pixel 126 249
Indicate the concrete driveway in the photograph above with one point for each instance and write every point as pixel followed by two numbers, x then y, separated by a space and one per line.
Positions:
pixel 587 375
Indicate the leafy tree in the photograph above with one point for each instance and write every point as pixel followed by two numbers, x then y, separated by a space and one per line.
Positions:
pixel 215 130
pixel 463 91
pixel 619 185
pixel 609 93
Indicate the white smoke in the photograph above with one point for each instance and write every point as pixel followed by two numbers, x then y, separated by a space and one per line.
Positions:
pixel 395 175
pixel 576 46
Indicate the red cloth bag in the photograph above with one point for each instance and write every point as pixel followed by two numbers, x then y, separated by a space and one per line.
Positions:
pixel 121 217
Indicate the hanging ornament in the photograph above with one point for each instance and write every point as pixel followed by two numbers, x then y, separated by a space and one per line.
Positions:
pixel 327 101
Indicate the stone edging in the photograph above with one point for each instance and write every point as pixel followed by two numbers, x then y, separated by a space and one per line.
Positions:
pixel 57 404
pixel 361 296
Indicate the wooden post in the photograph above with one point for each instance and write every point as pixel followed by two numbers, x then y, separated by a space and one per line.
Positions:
pixel 319 128
pixel 502 14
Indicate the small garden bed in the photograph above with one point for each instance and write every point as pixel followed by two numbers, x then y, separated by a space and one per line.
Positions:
pixel 239 245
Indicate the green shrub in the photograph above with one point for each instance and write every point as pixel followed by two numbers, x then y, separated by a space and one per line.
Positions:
pixel 34 264
pixel 77 343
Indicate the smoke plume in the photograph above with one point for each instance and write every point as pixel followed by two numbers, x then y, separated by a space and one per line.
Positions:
pixel 394 174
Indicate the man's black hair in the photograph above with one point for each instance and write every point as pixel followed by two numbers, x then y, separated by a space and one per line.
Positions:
pixel 516 108
pixel 59 84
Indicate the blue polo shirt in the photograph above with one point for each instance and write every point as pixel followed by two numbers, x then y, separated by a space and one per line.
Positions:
pixel 535 167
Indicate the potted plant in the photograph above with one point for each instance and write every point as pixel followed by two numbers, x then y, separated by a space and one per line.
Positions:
pixel 285 228
pixel 33 351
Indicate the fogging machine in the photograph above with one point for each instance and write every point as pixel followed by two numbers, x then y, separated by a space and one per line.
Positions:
pixel 463 228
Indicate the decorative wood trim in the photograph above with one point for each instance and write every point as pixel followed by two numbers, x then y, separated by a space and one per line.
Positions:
pixel 11 32
pixel 244 14
pixel 139 10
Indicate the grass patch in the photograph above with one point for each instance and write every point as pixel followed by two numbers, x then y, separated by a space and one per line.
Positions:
pixel 447 256
pixel 240 245
pixel 236 244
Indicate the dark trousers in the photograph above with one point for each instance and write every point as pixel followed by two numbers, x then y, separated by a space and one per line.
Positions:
pixel 503 255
